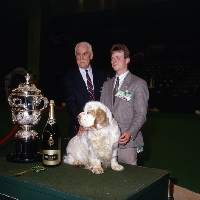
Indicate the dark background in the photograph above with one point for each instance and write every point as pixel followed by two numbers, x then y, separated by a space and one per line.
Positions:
pixel 152 30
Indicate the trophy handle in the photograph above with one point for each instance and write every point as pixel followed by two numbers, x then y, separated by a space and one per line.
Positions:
pixel 46 102
pixel 17 102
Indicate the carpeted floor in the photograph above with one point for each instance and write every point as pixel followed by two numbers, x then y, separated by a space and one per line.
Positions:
pixel 171 143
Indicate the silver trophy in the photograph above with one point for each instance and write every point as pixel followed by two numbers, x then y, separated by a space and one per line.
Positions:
pixel 27 103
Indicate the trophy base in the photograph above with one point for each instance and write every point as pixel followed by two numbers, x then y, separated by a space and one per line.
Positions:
pixel 17 158
pixel 26 151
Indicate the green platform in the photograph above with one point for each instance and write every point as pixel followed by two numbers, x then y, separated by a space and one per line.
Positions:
pixel 69 182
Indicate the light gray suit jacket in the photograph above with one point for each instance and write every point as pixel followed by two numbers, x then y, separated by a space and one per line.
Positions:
pixel 130 115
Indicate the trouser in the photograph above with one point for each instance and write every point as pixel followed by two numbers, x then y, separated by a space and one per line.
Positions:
pixel 127 156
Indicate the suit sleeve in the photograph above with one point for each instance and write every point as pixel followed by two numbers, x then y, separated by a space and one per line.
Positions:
pixel 99 77
pixel 102 95
pixel 70 99
pixel 141 96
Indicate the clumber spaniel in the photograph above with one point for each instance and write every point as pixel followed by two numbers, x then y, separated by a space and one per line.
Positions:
pixel 97 147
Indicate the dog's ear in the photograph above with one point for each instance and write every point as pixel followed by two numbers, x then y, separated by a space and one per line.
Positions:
pixel 101 119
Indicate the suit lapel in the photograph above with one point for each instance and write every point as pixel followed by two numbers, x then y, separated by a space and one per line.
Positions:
pixel 80 82
pixel 126 83
pixel 124 87
pixel 111 91
pixel 95 79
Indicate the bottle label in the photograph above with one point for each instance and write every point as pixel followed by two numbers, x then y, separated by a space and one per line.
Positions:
pixel 51 157
pixel 51 141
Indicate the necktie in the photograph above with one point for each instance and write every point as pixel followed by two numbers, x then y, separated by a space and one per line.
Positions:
pixel 115 89
pixel 89 85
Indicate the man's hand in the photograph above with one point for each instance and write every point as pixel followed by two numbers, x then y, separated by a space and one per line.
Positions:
pixel 124 138
pixel 80 131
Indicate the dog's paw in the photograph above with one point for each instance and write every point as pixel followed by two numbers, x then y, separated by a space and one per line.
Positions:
pixel 98 170
pixel 117 167
pixel 68 159
pixel 65 158
pixel 88 167
pixel 77 163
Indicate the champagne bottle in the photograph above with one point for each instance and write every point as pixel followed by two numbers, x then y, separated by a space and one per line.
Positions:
pixel 51 140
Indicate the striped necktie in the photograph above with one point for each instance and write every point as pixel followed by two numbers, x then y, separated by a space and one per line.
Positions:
pixel 89 85
pixel 115 89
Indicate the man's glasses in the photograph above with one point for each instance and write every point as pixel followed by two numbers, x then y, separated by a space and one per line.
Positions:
pixel 83 55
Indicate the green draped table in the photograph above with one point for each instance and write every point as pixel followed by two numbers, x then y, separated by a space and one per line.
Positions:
pixel 69 182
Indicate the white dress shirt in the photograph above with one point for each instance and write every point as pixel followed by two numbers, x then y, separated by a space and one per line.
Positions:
pixel 121 78
pixel 83 73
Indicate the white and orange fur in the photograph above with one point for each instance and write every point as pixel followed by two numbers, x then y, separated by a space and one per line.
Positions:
pixel 97 147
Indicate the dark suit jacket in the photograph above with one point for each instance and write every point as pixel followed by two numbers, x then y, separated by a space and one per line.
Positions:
pixel 76 94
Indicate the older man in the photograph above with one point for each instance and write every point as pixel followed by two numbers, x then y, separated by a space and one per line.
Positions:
pixel 126 95
pixel 82 85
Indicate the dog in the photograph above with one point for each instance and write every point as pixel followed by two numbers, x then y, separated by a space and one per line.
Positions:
pixel 97 147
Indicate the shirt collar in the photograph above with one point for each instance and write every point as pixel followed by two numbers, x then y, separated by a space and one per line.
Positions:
pixel 122 76
pixel 83 70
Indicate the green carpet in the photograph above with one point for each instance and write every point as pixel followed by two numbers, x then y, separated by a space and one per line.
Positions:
pixel 81 182
pixel 171 143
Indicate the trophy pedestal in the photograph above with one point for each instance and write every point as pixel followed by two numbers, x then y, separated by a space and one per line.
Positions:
pixel 26 151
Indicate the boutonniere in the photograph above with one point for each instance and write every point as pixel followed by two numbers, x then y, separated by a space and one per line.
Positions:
pixel 127 93
pixel 124 95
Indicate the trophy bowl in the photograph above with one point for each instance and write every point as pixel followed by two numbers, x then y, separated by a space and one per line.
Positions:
pixel 27 103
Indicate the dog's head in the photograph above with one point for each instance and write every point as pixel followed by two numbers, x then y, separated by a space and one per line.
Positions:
pixel 95 116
